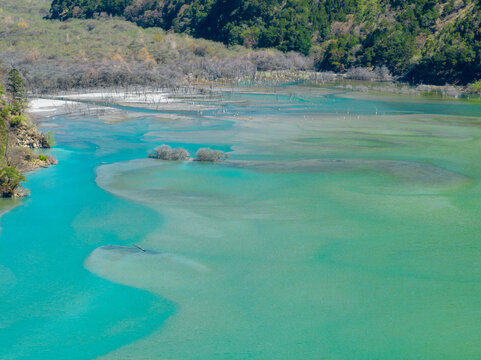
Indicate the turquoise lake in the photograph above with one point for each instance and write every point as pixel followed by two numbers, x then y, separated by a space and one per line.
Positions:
pixel 343 226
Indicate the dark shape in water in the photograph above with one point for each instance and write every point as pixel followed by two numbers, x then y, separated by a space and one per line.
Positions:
pixel 127 249
pixel 138 247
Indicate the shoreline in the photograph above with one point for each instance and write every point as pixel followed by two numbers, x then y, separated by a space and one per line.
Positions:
pixel 165 99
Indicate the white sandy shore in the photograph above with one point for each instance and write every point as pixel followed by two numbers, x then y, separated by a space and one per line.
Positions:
pixel 125 97
pixel 47 105
pixel 97 102
pixel 59 103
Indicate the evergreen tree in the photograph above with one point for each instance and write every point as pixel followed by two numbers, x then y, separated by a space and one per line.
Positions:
pixel 16 91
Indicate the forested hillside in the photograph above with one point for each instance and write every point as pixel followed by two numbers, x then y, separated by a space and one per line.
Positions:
pixel 427 41
pixel 106 51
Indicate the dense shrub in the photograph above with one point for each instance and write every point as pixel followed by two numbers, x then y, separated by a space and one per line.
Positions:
pixel 475 87
pixel 179 154
pixel 17 120
pixel 165 152
pixel 49 140
pixel 207 154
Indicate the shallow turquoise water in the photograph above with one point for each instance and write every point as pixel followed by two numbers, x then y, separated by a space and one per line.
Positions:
pixel 344 226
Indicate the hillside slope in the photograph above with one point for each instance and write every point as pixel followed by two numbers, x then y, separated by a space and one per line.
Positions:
pixel 110 52
pixel 428 41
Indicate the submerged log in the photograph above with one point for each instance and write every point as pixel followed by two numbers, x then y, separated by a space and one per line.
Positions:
pixel 138 247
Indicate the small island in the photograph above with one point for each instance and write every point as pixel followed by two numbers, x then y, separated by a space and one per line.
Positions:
pixel 165 152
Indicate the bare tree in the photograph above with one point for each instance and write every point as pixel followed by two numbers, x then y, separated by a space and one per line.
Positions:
pixel 207 154
pixel 165 152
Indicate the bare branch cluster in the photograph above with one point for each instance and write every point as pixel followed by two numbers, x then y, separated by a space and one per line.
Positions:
pixel 209 155
pixel 165 152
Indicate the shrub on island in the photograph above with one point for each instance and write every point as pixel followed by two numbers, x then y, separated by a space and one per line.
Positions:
pixel 207 154
pixel 165 152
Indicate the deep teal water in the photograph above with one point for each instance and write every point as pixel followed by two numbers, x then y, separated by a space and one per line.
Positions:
pixel 370 253
pixel 55 308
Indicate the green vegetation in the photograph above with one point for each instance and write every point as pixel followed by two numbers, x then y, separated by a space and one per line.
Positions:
pixel 232 22
pixel 16 91
pixel 17 120
pixel 475 87
pixel 423 40
pixel 50 139
pixel 3 141
pixel 18 138
pixel 57 56
pixel 10 179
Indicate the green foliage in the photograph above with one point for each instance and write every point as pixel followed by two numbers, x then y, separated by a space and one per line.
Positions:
pixel 16 90
pixel 3 141
pixel 455 56
pixel 17 120
pixel 391 48
pixel 368 33
pixel 42 157
pixel 49 137
pixel 16 108
pixel 5 112
pixel 338 55
pixel 475 87
pixel 10 179
pixel 286 25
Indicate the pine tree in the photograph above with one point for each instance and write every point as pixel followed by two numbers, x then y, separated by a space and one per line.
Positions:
pixel 16 91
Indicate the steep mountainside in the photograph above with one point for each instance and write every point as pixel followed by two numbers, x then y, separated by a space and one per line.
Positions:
pixel 424 40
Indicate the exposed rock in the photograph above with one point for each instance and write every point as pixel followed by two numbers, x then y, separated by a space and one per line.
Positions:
pixel 28 136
